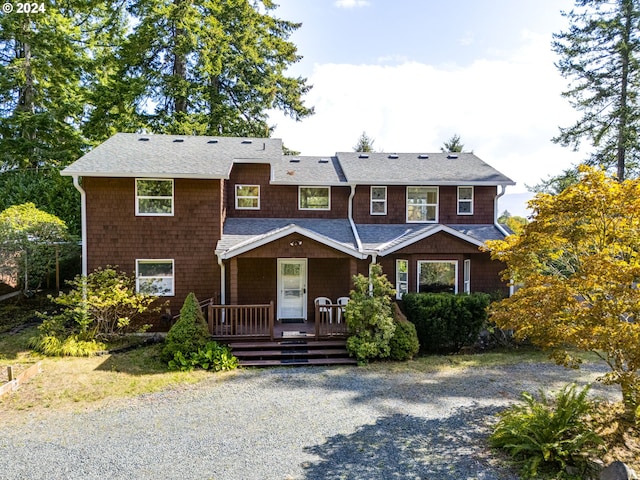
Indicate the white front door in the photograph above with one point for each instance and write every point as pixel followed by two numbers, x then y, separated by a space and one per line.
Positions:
pixel 292 288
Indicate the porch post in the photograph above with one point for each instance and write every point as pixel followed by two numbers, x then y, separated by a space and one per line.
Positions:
pixel 233 294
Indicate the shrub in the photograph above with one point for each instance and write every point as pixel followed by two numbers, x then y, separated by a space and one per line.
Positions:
pixel 404 343
pixel 212 356
pixel 102 304
pixel 189 333
pixel 369 316
pixel 547 436
pixel 446 322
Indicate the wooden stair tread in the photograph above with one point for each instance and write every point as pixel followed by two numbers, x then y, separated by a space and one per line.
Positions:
pixel 291 353
pixel 310 361
pixel 287 344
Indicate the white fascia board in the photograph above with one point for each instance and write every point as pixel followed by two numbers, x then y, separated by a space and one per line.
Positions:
pixel 440 228
pixel 427 183
pixel 269 237
pixel 194 176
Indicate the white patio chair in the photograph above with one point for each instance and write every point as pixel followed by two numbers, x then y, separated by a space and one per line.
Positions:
pixel 342 301
pixel 323 303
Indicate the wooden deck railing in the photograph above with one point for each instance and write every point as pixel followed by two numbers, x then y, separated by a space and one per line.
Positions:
pixel 228 321
pixel 330 321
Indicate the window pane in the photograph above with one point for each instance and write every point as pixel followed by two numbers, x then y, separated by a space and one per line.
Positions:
pixel 436 277
pixel 154 205
pixel 378 193
pixel 465 193
pixel 314 198
pixel 377 207
pixel 247 191
pixel 247 203
pixel 155 188
pixel 156 286
pixel 155 269
pixel 464 207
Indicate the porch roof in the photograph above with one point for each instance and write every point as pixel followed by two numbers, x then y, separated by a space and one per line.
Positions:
pixel 386 239
pixel 241 235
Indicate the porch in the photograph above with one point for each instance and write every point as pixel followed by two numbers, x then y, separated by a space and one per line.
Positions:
pixel 228 323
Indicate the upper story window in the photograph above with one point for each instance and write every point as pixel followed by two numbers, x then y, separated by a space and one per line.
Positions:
pixel 314 198
pixel 248 197
pixel 422 204
pixel 155 277
pixel 154 197
pixel 465 200
pixel 378 201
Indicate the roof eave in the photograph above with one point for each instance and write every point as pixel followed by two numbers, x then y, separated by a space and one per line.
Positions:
pixel 197 176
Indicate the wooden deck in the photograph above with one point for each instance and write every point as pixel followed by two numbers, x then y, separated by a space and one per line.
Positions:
pixel 257 322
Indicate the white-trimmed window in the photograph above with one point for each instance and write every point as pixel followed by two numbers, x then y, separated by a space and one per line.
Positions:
pixel 314 198
pixel 378 201
pixel 466 274
pixel 155 277
pixel 422 204
pixel 465 200
pixel 438 276
pixel 248 197
pixel 154 197
pixel 402 278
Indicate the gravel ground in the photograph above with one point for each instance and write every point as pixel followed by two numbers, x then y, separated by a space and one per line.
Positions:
pixel 287 423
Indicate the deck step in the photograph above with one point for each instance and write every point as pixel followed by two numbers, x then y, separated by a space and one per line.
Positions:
pixel 298 362
pixel 291 352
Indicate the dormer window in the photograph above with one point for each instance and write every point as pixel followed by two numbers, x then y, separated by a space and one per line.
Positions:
pixel 154 197
pixel 248 197
pixel 465 200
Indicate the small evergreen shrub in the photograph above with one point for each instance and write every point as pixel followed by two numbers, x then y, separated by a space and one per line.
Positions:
pixel 189 333
pixel 445 322
pixel 404 343
pixel 212 356
pixel 369 316
pixel 548 435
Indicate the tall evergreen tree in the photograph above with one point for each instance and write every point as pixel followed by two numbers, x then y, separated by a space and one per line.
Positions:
pixel 365 143
pixel 600 54
pixel 454 144
pixel 208 67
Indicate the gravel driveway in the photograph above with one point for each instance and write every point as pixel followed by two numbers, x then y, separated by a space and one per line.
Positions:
pixel 286 423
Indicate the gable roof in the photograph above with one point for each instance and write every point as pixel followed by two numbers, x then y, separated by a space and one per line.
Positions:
pixel 415 169
pixel 173 156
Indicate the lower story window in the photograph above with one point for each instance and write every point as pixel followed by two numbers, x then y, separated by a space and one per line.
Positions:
pixel 402 278
pixel 155 277
pixel 438 276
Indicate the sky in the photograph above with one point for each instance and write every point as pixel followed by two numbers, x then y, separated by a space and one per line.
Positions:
pixel 412 73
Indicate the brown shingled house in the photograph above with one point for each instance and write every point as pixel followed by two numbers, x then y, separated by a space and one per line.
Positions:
pixel 236 221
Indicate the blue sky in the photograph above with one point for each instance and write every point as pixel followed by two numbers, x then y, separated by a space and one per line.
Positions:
pixel 412 73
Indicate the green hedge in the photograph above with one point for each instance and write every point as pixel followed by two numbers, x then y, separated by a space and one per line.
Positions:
pixel 446 322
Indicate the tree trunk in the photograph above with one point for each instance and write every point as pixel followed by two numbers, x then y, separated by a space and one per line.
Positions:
pixel 625 52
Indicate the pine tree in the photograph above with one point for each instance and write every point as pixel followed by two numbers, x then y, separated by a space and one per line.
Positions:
pixel 365 143
pixel 600 54
pixel 453 144
pixel 209 67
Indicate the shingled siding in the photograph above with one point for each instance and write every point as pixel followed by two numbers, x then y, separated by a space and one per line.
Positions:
pixel 278 201
pixel 483 205
pixel 116 236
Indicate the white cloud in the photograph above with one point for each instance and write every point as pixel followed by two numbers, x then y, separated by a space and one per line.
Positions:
pixel 351 3
pixel 506 111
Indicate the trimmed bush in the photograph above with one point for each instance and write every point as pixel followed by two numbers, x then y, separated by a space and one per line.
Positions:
pixel 445 322
pixel 404 343
pixel 189 333
pixel 548 435
pixel 369 316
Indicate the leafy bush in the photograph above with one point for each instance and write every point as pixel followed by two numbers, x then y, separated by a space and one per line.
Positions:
pixel 212 356
pixel 102 304
pixel 189 333
pixel 547 436
pixel 445 322
pixel 404 343
pixel 369 316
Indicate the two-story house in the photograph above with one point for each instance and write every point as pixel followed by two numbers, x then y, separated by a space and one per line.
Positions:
pixel 235 220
